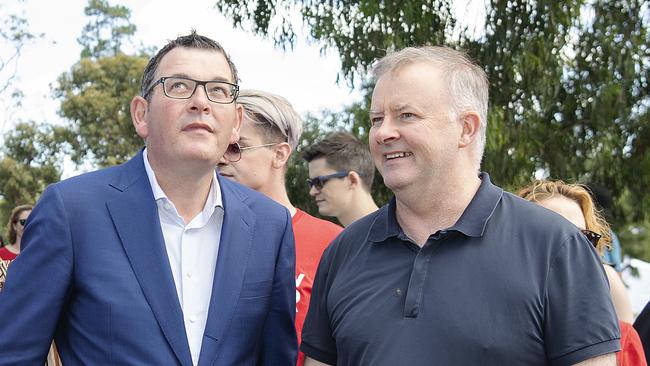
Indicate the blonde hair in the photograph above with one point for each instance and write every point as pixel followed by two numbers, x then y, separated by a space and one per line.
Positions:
pixel 274 114
pixel 13 218
pixel 542 190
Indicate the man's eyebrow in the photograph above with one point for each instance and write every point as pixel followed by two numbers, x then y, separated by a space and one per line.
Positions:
pixel 216 78
pixel 392 108
pixel 398 107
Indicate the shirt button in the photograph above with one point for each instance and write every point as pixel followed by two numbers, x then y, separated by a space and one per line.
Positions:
pixel 188 274
pixel 192 318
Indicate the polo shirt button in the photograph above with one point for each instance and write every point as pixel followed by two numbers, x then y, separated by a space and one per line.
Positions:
pixel 192 318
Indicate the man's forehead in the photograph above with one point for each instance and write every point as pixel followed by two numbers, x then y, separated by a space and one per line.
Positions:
pixel 410 85
pixel 187 61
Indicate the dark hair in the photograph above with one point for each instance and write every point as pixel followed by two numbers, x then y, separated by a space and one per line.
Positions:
pixel 343 151
pixel 13 218
pixel 193 40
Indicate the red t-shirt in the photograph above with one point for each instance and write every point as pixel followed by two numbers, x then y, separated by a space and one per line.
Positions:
pixel 312 236
pixel 6 255
pixel 631 353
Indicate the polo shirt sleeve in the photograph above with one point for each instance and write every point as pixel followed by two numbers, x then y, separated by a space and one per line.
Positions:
pixel 580 321
pixel 317 336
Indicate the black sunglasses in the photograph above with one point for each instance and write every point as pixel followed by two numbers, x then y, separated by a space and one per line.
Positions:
pixel 320 181
pixel 592 236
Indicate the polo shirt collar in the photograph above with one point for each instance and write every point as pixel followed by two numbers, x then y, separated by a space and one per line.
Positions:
pixel 471 223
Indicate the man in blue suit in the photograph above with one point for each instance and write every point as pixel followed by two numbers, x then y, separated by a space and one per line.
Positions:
pixel 158 261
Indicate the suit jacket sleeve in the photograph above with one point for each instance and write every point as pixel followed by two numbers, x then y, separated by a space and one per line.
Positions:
pixel 279 340
pixel 38 283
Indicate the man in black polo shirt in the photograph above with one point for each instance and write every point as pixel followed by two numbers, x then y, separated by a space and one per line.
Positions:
pixel 453 271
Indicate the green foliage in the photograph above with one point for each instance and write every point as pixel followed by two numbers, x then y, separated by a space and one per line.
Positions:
pixel 569 91
pixel 96 93
pixel 30 159
pixel 95 99
pixel 361 31
pixel 108 29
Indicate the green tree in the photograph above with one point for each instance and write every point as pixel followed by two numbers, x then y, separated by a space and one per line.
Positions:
pixel 32 158
pixel 96 93
pixel 95 100
pixel 107 31
pixel 569 80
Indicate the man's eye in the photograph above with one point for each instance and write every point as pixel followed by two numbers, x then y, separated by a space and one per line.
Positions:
pixel 376 120
pixel 180 85
pixel 408 115
pixel 218 90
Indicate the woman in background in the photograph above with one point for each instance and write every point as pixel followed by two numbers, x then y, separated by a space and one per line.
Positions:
pixel 575 204
pixel 15 228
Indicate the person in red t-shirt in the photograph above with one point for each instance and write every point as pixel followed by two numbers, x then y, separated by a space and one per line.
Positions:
pixel 269 134
pixel 15 228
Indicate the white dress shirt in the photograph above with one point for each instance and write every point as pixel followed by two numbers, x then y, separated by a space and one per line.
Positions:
pixel 192 250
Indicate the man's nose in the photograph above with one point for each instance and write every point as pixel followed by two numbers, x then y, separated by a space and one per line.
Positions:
pixel 199 100
pixel 386 131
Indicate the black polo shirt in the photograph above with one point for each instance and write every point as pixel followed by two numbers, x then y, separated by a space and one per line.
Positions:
pixel 511 283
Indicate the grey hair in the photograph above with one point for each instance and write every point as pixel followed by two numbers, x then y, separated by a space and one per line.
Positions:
pixel 273 112
pixel 468 83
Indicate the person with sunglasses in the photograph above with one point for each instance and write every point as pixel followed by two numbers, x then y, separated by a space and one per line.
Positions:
pixel 269 134
pixel 575 203
pixel 159 261
pixel 8 253
pixel 15 229
pixel 341 172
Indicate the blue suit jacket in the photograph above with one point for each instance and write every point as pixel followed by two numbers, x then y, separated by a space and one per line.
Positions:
pixel 95 274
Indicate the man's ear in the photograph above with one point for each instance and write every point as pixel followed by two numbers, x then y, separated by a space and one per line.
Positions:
pixel 139 109
pixel 239 118
pixel 282 154
pixel 354 179
pixel 470 123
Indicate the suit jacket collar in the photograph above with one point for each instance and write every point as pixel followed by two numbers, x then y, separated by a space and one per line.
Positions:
pixel 135 216
pixel 234 251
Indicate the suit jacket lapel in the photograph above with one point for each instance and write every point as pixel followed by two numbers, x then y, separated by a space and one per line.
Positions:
pixel 136 220
pixel 234 249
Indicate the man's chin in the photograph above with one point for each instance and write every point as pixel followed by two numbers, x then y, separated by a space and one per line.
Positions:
pixel 228 176
pixel 323 211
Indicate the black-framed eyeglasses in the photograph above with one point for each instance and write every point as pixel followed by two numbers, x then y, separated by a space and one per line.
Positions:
pixel 319 182
pixel 22 222
pixel 592 236
pixel 233 152
pixel 178 87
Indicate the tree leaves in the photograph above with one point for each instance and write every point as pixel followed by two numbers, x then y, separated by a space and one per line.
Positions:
pixel 95 99
pixel 569 92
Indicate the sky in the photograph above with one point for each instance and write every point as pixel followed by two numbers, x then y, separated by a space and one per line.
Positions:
pixel 303 75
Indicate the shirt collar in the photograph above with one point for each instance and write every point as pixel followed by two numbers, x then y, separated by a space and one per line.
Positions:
pixel 471 223
pixel 214 196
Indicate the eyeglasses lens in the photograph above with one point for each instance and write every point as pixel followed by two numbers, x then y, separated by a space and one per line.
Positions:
pixel 233 153
pixel 592 236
